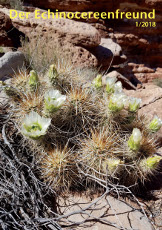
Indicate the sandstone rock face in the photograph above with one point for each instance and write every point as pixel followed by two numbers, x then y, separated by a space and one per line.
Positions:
pixel 151 97
pixel 82 40
pixel 73 5
pixel 10 63
pixel 9 35
pixel 5 26
pixel 77 33
pixel 141 45
pixel 108 52
pixel 93 5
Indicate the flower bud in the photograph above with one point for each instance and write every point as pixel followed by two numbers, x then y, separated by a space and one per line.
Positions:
pixel 53 100
pixel 110 82
pixel 155 124
pixel 97 82
pixel 134 104
pixel 33 80
pixel 134 141
pixel 35 126
pixel 150 163
pixel 52 73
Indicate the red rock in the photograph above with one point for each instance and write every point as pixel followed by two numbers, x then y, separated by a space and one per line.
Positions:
pixel 74 5
pixel 5 26
pixel 81 39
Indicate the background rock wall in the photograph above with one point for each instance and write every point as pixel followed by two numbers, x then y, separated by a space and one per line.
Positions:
pixel 95 46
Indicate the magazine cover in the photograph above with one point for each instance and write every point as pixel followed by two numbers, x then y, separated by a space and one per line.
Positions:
pixel 80 114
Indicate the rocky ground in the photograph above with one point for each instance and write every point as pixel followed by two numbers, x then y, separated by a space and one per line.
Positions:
pixel 131 54
pixel 95 41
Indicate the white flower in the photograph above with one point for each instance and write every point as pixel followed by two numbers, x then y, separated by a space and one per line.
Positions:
pixel 155 124
pixel 134 104
pixel 117 102
pixel 137 136
pixel 118 87
pixel 134 141
pixel 53 100
pixel 110 82
pixel 35 126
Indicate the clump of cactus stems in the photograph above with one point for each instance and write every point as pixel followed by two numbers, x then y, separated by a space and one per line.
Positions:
pixel 83 130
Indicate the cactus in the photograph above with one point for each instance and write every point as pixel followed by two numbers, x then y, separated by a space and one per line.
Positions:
pixel 150 164
pixel 134 141
pixel 134 104
pixel 52 73
pixel 117 101
pixel 58 169
pixel 97 82
pixel 53 100
pixel 110 83
pixel 34 126
pixel 98 129
pixel 155 124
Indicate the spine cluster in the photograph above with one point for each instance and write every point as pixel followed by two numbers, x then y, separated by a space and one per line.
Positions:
pixel 78 129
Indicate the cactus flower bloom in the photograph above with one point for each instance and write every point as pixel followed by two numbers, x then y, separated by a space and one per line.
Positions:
pixel 118 87
pixel 150 163
pixel 33 80
pixel 110 82
pixel 117 102
pixel 53 100
pixel 134 104
pixel 155 124
pixel 52 73
pixel 35 126
pixel 97 82
pixel 134 141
